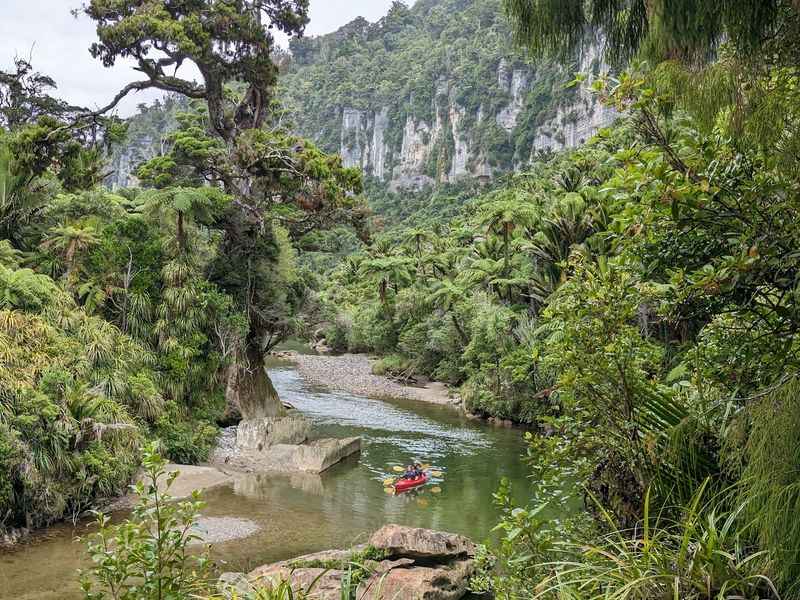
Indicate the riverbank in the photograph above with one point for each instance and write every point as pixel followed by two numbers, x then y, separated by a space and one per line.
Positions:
pixel 352 373
pixel 190 478
pixel 299 514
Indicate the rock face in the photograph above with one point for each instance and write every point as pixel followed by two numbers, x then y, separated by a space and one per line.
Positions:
pixel 415 160
pixel 258 434
pixel 577 121
pixel 417 564
pixel 146 137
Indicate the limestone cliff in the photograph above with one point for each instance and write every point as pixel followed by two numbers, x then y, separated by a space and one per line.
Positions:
pixel 435 93
pixel 147 137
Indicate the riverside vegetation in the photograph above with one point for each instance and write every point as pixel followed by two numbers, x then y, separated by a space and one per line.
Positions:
pixel 146 313
pixel 633 300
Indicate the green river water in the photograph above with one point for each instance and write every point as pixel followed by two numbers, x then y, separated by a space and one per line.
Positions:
pixel 305 513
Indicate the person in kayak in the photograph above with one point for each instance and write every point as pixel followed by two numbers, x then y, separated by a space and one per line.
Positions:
pixel 418 470
pixel 410 473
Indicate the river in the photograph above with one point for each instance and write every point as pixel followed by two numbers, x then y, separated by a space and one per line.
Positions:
pixel 305 513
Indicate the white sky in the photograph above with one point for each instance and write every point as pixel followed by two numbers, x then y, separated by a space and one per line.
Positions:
pixel 58 44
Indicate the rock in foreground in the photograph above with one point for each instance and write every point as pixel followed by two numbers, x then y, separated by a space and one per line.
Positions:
pixel 399 562
pixel 443 582
pixel 417 543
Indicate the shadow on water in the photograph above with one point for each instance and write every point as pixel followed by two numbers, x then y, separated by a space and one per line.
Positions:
pixel 304 513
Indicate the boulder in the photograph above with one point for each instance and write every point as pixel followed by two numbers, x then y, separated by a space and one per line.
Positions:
pixel 445 582
pixel 318 574
pixel 426 544
pixel 328 565
pixel 326 558
pixel 420 565
pixel 384 566
pixel 256 435
pixel 320 455
pixel 313 457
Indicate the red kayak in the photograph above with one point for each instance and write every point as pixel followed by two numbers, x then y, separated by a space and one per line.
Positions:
pixel 407 484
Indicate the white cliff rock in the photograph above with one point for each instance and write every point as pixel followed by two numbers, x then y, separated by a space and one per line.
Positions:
pixel 517 89
pixel 258 434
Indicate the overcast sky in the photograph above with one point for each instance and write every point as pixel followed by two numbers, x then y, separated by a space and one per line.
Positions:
pixel 58 44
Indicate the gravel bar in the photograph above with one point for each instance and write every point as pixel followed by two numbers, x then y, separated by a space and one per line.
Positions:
pixel 352 373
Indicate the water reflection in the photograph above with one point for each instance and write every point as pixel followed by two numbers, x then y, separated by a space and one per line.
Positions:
pixel 304 513
pixel 347 502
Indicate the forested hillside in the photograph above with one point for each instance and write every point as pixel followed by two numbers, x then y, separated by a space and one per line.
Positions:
pixel 436 92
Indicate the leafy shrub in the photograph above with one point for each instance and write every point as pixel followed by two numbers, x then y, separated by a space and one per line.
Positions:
pixel 393 365
pixel 337 334
pixel 701 555
pixel 10 459
pixel 373 329
pixel 771 482
pixel 64 443
pixel 184 440
pixel 147 556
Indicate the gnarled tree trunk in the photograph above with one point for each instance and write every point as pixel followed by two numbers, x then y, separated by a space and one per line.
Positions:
pixel 249 392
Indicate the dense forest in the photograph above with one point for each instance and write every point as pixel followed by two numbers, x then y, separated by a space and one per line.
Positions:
pixel 145 313
pixel 632 301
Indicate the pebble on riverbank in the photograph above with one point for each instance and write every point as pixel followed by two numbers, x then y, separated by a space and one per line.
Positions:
pixel 215 530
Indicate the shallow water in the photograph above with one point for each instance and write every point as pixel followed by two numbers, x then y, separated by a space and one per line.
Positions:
pixel 305 513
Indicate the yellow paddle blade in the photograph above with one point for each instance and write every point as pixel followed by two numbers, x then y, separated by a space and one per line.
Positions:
pixel 437 473
pixel 422 502
pixel 398 469
pixel 389 490
pixel 425 467
pixel 436 490
pixel 389 481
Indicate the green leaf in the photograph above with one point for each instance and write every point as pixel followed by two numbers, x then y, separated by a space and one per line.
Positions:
pixel 677 373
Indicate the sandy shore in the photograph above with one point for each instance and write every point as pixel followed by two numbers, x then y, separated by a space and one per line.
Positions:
pixel 353 373
pixel 190 478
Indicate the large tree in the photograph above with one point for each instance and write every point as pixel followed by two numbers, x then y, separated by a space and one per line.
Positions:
pixel 233 142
